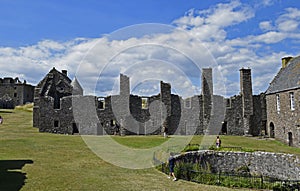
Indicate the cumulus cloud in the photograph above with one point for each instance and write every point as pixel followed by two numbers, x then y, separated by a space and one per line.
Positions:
pixel 289 21
pixel 174 54
pixel 266 25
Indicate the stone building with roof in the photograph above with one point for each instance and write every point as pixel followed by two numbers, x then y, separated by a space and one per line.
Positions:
pixel 283 103
pixel 13 92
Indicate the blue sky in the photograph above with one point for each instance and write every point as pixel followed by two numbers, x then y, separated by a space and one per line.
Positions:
pixel 96 40
pixel 27 22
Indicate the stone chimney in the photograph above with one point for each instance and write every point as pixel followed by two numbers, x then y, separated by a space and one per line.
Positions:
pixel 65 72
pixel 285 61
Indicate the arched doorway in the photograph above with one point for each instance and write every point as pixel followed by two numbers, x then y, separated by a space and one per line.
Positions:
pixel 290 138
pixel 224 128
pixel 272 130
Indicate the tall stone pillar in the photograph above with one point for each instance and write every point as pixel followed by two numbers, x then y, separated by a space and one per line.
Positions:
pixel 247 99
pixel 207 95
pixel 120 104
pixel 165 97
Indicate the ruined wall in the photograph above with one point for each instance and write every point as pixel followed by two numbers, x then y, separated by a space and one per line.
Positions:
pixel 234 116
pixel 138 122
pixel 27 93
pixel 276 165
pixel 76 113
pixel 13 93
pixel 190 120
pixel 259 118
pixel 124 114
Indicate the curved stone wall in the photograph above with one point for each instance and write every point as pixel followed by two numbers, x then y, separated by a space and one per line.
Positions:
pixel 276 165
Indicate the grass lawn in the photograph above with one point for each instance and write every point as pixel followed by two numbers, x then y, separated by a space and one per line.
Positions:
pixel 31 161
pixel 252 143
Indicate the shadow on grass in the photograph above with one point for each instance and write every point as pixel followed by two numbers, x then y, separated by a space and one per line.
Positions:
pixel 11 177
pixel 6 111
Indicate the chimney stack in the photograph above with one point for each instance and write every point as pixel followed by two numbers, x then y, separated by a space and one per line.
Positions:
pixel 65 72
pixel 285 60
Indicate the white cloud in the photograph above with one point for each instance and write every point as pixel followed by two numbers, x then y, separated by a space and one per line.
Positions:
pixel 175 57
pixel 289 21
pixel 288 25
pixel 270 37
pixel 213 21
pixel 266 25
pixel 228 14
pixel 264 3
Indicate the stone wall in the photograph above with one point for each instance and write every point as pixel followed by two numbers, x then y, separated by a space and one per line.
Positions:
pixel 247 99
pixel 285 124
pixel 13 93
pixel 259 117
pixel 124 114
pixel 190 120
pixel 276 165
pixel 207 93
pixel 234 116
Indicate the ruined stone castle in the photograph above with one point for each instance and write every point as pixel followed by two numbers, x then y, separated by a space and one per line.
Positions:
pixel 13 92
pixel 61 107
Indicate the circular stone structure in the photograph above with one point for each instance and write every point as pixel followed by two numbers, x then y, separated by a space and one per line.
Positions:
pixel 275 165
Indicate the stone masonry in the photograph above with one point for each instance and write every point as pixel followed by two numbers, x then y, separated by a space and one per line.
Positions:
pixel 61 107
pixel 283 103
pixel 275 165
pixel 13 92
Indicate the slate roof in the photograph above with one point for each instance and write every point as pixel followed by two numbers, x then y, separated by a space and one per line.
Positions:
pixel 287 78
pixel 50 82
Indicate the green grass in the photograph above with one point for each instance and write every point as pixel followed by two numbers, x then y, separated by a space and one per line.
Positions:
pixel 62 162
pixel 140 142
pixel 251 143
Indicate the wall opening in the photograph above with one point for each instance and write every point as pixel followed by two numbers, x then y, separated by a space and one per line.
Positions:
pixel 272 130
pixel 290 139
pixel 145 103
pixel 228 103
pixel 112 122
pixel 292 101
pixel 101 102
pixel 56 103
pixel 56 123
pixel 75 128
pixel 277 103
pixel 224 128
